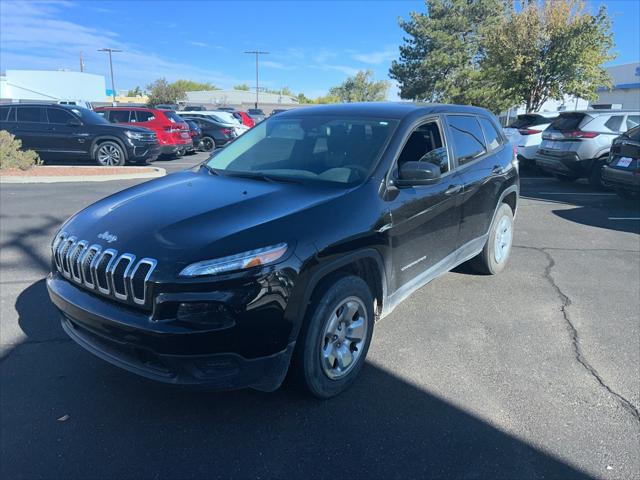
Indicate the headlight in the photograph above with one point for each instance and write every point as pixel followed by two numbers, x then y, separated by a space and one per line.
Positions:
pixel 240 261
pixel 134 135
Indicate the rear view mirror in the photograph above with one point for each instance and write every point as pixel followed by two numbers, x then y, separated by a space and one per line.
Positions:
pixel 74 123
pixel 417 173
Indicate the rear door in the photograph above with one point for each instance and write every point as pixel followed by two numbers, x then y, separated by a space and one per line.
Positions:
pixel 32 128
pixel 482 159
pixel 121 115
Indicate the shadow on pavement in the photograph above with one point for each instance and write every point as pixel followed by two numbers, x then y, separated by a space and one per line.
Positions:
pixel 122 426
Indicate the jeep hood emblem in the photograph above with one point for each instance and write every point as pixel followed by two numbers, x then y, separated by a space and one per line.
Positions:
pixel 108 237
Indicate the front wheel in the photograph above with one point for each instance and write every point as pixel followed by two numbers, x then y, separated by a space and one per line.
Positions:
pixel 495 254
pixel 207 144
pixel 336 337
pixel 109 154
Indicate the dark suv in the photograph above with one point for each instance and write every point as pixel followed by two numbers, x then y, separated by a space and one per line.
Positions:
pixel 286 246
pixel 74 133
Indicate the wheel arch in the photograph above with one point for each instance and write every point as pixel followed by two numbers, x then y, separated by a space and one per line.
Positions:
pixel 103 138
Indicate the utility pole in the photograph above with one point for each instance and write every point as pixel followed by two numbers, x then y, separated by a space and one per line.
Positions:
pixel 113 85
pixel 257 53
pixel 81 62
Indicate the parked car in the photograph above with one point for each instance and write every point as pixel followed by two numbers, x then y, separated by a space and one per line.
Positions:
pixel 171 130
pixel 577 144
pixel 243 118
pixel 256 114
pixel 287 245
pixel 525 132
pixel 195 108
pixel 196 134
pixel 622 173
pixel 167 106
pixel 224 118
pixel 213 134
pixel 276 111
pixel 73 133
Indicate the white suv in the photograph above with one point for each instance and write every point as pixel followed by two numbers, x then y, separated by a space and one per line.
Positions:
pixel 525 132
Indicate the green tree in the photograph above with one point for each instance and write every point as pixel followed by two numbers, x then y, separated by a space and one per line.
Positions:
pixel 360 88
pixel 242 86
pixel 327 99
pixel 439 60
pixel 136 92
pixel 162 91
pixel 302 98
pixel 191 86
pixel 548 50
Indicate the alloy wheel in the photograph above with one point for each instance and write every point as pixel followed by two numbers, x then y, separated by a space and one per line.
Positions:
pixel 504 237
pixel 109 155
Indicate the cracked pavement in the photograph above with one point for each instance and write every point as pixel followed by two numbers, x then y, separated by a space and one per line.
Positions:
pixel 534 373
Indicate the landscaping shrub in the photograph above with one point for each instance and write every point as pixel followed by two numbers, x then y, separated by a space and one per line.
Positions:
pixel 12 157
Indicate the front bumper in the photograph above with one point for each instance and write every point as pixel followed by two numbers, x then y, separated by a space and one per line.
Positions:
pixel 568 163
pixel 621 179
pixel 169 352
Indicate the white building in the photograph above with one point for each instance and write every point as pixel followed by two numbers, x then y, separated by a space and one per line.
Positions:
pixel 238 98
pixel 51 86
pixel 625 92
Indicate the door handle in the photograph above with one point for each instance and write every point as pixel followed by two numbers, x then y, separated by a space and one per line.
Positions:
pixel 497 169
pixel 453 189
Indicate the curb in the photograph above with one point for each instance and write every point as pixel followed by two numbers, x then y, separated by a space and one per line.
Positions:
pixel 158 172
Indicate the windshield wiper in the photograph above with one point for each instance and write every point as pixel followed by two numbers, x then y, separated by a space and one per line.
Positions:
pixel 263 176
pixel 211 169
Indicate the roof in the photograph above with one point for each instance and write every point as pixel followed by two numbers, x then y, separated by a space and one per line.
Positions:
pixel 390 110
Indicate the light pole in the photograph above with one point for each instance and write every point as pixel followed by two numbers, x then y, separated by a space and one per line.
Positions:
pixel 113 85
pixel 257 53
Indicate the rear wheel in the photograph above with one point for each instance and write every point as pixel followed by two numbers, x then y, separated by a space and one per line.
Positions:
pixel 336 337
pixel 178 153
pixel 496 251
pixel 207 144
pixel 595 176
pixel 109 154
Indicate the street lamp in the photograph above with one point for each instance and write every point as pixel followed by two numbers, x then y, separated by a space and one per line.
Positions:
pixel 113 85
pixel 257 53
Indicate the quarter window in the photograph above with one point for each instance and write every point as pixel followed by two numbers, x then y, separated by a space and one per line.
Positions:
pixel 57 115
pixel 614 123
pixel 29 114
pixel 467 137
pixel 491 135
pixel 426 145
pixel 633 121
pixel 4 113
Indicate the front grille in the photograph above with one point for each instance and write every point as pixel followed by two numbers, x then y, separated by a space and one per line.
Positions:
pixel 102 270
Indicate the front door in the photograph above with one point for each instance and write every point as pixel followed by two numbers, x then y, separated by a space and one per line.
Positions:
pixel 424 219
pixel 65 136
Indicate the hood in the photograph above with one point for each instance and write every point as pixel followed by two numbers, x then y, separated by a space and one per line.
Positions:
pixel 196 215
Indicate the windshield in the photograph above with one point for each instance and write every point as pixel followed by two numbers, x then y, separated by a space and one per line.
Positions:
pixel 326 149
pixel 89 116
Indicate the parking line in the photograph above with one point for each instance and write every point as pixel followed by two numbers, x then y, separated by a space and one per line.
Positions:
pixel 624 218
pixel 577 193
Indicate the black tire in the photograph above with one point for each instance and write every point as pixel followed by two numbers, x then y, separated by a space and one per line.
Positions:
pixel 178 153
pixel 109 154
pixel 486 262
pixel 307 363
pixel 565 178
pixel 595 175
pixel 207 144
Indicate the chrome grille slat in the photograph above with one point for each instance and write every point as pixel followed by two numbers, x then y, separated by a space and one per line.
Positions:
pixel 103 270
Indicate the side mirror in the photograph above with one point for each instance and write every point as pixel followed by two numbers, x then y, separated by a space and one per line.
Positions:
pixel 74 123
pixel 417 173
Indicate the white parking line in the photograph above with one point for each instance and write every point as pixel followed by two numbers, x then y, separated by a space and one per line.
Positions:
pixel 578 193
pixel 624 218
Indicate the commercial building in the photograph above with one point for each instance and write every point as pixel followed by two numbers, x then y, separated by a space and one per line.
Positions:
pixel 241 99
pixel 625 92
pixel 51 86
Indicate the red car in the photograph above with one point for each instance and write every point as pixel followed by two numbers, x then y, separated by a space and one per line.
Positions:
pixel 171 130
pixel 243 118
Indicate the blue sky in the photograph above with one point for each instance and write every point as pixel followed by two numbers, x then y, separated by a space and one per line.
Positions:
pixel 313 45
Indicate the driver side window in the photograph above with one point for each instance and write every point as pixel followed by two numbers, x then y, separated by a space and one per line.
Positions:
pixel 426 144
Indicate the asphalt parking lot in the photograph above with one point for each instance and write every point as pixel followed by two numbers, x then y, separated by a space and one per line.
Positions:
pixel 534 373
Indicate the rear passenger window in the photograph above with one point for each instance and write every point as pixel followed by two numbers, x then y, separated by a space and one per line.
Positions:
pixel 614 123
pixel 119 116
pixel 468 140
pixel 57 115
pixel 633 121
pixel 4 113
pixel 491 135
pixel 143 116
pixel 29 114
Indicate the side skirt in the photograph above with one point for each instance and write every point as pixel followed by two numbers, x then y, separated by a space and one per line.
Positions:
pixel 451 261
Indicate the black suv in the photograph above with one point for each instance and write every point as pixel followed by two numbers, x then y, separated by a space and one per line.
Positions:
pixel 286 246
pixel 74 133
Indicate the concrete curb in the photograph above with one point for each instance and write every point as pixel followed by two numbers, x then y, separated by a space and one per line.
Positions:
pixel 158 172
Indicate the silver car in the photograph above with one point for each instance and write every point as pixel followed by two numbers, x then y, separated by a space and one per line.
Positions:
pixel 577 144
